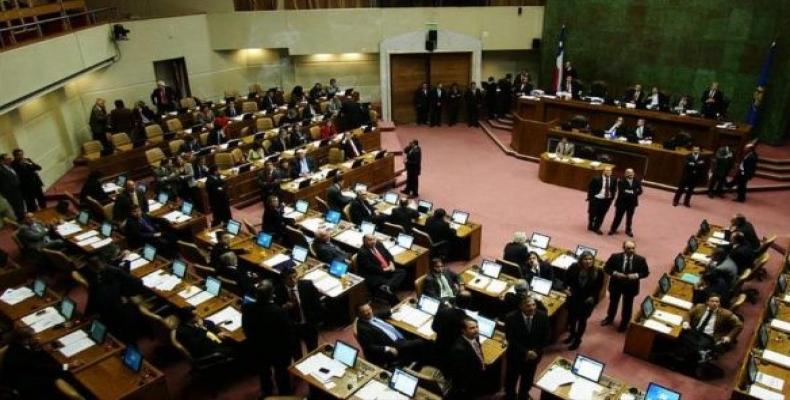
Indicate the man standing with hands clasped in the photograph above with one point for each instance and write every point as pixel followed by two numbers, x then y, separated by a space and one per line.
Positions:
pixel 600 193
pixel 527 332
pixel 625 270
pixel 628 191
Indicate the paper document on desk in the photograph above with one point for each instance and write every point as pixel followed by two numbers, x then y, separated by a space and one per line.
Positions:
pixel 89 241
pixel 200 298
pixel 410 315
pixel 41 321
pixel 67 228
pixel 312 224
pixel 229 318
pixel 315 275
pixel 336 369
pixel 554 378
pixel 169 283
pixel 680 303
pixel 699 257
pixel 154 278
pixel 15 296
pixel 780 325
pixel 657 326
pixel 478 281
pixel 582 389
pixel 276 259
pixel 85 235
pixel 538 250
pixel 776 358
pixel 496 286
pixel 189 292
pixel 375 390
pixel 153 205
pixel 770 381
pixel 564 261
pixel 717 242
pixel 718 235
pixel 327 284
pixel 137 263
pixel 426 329
pixel 764 393
pixel 293 214
pixel 110 187
pixel 351 237
pixel 76 344
pixel 395 250
pixel 672 319
pixel 101 243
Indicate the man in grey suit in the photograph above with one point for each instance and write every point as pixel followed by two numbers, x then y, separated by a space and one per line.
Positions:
pixel 564 148
pixel 35 235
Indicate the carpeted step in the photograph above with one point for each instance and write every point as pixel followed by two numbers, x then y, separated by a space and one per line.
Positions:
pixel 773 167
pixel 776 176
pixel 386 126
pixel 498 125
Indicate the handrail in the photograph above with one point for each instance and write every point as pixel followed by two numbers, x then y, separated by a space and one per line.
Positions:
pixel 66 16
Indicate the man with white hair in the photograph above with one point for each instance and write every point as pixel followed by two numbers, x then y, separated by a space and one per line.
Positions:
pixel 360 210
pixel 303 164
pixel 164 98
pixel 325 250
pixel 376 265
pixel 517 250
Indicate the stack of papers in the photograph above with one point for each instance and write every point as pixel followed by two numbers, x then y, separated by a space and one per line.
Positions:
pixel 699 257
pixel 496 286
pixel 43 320
pixel 350 237
pixel 770 381
pixel 74 343
pixel 764 393
pixel 15 296
pixel 89 241
pixel 228 318
pixel 564 261
pixel 325 283
pixel 657 326
pixel 375 390
pixel 314 364
pixel 135 261
pixel 276 259
pixel 554 378
pixel 85 235
pixel 195 296
pixel 412 316
pixel 67 228
pixel 718 235
pixel 582 389
pixel 783 326
pixel 110 187
pixel 161 280
pixel 101 243
pixel 672 319
pixel 686 305
pixel 478 281
pixel 776 358
pixel 153 205
pixel 312 224
pixel 717 242
pixel 176 217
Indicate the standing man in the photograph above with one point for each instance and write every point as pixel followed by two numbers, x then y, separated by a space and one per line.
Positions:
pixel 164 98
pixel 453 104
pixel 693 170
pixel 628 191
pixel 10 186
pixel 437 100
pixel 413 168
pixel 722 163
pixel 473 97
pixel 492 90
pixel 301 300
pixel 98 122
pixel 29 181
pixel 745 172
pixel 466 362
pixel 217 196
pixel 625 270
pixel 600 193
pixel 712 101
pixel 121 118
pixel 527 332
pixel 421 104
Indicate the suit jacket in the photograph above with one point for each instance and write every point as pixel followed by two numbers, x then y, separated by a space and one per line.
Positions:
pixel 296 168
pixel 138 232
pixel 10 186
pixel 430 286
pixel 31 372
pixel 694 170
pixel 516 253
pixel 327 252
pixel 309 300
pixel 545 271
pixel 215 138
pixel 349 151
pixel 473 98
pixel 405 217
pixel 121 120
pixel 628 193
pixel 93 188
pixel 662 101
pixel 368 266
pixel 581 292
pixel 749 165
pixel 360 210
pixel 413 159
pixel 565 149
pixel 33 237
pixel 270 332
pixel 421 98
pixel 520 341
pixel 169 97
pixel 274 223
pixel 98 120
pixel 123 205
pixel 632 97
pixel 749 234
pixel 626 286
pixel 710 109
pixel 727 324
pixel 597 183
pixel 436 98
pixel 647 133
pixel 465 369
pixel 576 89
pixel 335 198
pixel 743 256
pixel 373 342
pixel 28 174
pixel 439 230
pixel 279 146
pixel 447 324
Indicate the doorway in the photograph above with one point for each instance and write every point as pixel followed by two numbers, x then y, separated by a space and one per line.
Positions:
pixel 174 73
pixel 409 71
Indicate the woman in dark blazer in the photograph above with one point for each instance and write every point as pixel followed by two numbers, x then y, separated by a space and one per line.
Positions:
pixel 583 282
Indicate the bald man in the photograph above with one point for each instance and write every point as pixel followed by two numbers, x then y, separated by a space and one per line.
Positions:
pixel 629 188
pixel 625 271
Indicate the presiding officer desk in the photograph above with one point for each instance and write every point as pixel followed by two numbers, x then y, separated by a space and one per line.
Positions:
pixel 570 172
pixel 706 133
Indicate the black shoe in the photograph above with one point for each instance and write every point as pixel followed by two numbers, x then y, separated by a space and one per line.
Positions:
pixel 606 321
pixel 612 233
pixel 598 231
pixel 739 200
pixel 629 233
pixel 674 204
pixel 622 328
pixel 575 345
pixel 687 205
pixel 404 191
pixel 568 339
pixel 710 195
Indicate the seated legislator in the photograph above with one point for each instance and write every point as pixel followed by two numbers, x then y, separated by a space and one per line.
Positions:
pixel 656 100
pixel 466 362
pixel 564 148
pixel 640 132
pixel 682 104
pixel 437 227
pixel 634 95
pixel 302 164
pixel 723 265
pixel 198 338
pixel 215 136
pixel 536 266
pixel 93 188
pixel 404 215
pixel 36 236
pixel 229 268
pixel 375 264
pixel 27 371
pixel 298 137
pixel 740 252
pixel 131 196
pixel 281 143
pixel 517 251
pixel 445 285
pixel 618 129
pixel 739 223
pixel 382 343
pixel 274 221
pixel 571 88
pixel 190 145
pixel 712 101
pixel 352 147
pixel 141 230
pixel 708 328
pixel 335 198
pixel 325 250
pixel 361 210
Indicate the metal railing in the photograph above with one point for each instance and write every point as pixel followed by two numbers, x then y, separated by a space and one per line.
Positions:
pixel 93 18
pixel 271 5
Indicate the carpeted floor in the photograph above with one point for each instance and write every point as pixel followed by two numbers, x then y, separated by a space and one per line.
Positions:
pixel 463 168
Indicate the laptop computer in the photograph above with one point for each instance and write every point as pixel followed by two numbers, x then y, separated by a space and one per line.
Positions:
pixel 213 285
pixel 704 227
pixel 664 283
pixel 582 248
pixel 97 332
pixel 367 228
pixel 186 208
pixel 132 358
pixel 405 241
pixel 264 240
pixel 658 392
pixel 424 206
pixel 66 308
pixel 486 326
pixel 299 254
pixel 301 206
pixel 245 167
pixel 39 287
pixel 233 227
pixel 120 181
pixel 692 245
pixel 179 268
pixel 391 198
pixel 403 383
pixel 149 252
pixel 587 368
pixel 540 285
pixel 338 268
pixel 162 198
pixel 460 217
pixel 648 307
pixel 305 183
pixel 762 336
pixel 781 284
pixel 679 264
pixel 490 268
pixel 106 229
pixel 428 304
pixel 539 240
pixel 83 217
pixel 332 217
pixel 345 353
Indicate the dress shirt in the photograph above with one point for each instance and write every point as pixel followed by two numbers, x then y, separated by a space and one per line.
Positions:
pixel 708 328
pixel 613 129
pixel 476 347
pixel 303 167
pixel 654 101
pixel 445 290
pixel 604 193
pixel 388 329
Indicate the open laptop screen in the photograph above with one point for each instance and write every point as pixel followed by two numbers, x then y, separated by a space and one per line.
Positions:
pixel 403 382
pixel 587 368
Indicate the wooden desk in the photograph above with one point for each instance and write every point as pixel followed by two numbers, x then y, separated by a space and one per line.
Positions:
pixel 616 387
pixel 206 238
pixel 420 394
pixel 574 173
pixel 29 305
pixel 87 357
pixel 642 342
pixel 109 379
pixel 344 386
pixel 664 124
pixel 196 223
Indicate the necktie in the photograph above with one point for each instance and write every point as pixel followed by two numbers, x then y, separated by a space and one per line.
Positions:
pixel 704 322
pixel 528 322
pixel 388 329
pixel 382 261
pixel 627 267
pixel 606 184
pixel 478 351
pixel 353 147
pixel 444 287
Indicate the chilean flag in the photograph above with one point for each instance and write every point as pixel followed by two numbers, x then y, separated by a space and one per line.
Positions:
pixel 556 82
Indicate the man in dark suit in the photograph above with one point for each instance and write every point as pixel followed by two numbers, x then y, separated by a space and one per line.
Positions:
pixel 708 327
pixel 618 129
pixel 140 230
pixel 382 343
pixel 745 172
pixel 202 344
pixel 625 270
pixel 739 223
pixel 447 323
pixel 445 285
pixel 375 264
pixel 131 196
pixel 440 231
pixel 722 163
pixel 29 371
pixel 302 164
pixel 325 250
pixel 437 99
pixel 361 210
pixel 572 87
pixel 712 101
pixel 466 363
pixel 335 198
pixel 505 94
pixel 121 118
pixel 281 143
pixel 270 337
pixel 215 136
pixel 600 193
pixel 36 236
pixel 302 301
pixel 404 215
pixel 413 163
pixel 473 97
pixel 421 102
pixel 634 95
pixel 10 186
pixel 217 189
pixel 110 290
pixel 164 98
pixel 628 191
pixel 29 181
pixel 491 89
pixel 98 122
pixel 352 147
pixel 267 102
pixel 656 100
pixel 528 332
pixel 640 132
pixel 693 171
pixel 517 251
pixel 741 252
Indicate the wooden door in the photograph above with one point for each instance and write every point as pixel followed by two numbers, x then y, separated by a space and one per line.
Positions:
pixel 407 73
pixel 449 68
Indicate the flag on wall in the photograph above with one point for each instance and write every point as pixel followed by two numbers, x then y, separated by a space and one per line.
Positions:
pixel 556 82
pixel 762 82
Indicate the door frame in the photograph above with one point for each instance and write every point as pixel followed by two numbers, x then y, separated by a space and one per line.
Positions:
pixel 414 43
